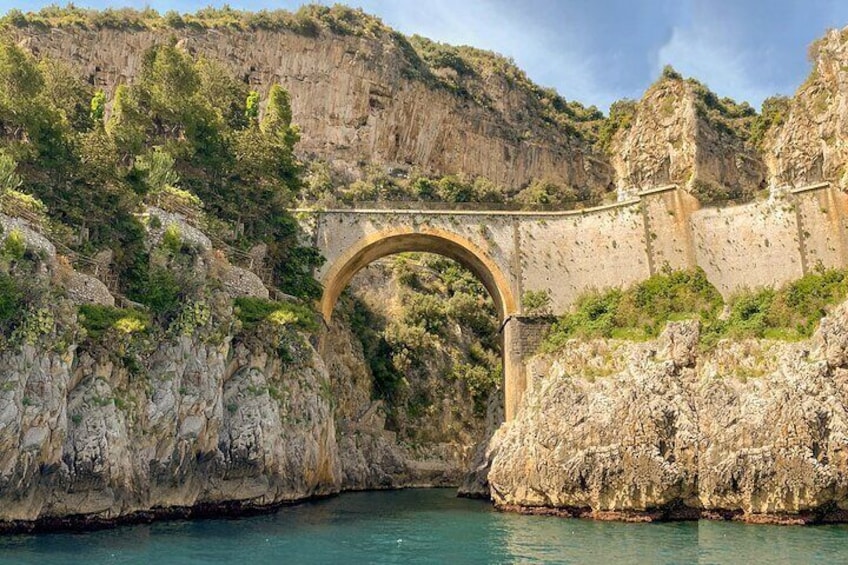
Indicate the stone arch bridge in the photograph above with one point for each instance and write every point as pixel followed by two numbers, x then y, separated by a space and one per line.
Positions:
pixel 566 253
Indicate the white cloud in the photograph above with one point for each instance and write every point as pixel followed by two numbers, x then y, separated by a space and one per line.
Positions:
pixel 720 65
pixel 545 50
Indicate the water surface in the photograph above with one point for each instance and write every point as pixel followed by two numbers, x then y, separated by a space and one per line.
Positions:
pixel 426 526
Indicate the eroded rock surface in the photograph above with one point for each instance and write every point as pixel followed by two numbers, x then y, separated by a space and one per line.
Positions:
pixel 754 430
pixel 85 433
pixel 620 442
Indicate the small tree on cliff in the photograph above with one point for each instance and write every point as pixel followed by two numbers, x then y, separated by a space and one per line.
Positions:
pixel 9 178
pixel 278 117
pixel 126 125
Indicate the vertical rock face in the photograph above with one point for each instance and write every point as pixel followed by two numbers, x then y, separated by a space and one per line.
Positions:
pixel 371 98
pixel 199 423
pixel 775 445
pixel 752 430
pixel 354 99
pixel 672 138
pixel 369 454
pixel 624 442
pixel 810 144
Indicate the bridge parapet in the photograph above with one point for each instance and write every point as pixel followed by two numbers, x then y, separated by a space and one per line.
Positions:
pixel 567 253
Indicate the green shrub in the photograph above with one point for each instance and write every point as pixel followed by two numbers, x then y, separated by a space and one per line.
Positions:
pixel 159 289
pixel 546 195
pixel 621 116
pixel 775 111
pixel 252 311
pixel 790 312
pixel 14 246
pixel 9 178
pixel 426 311
pixel 12 303
pixel 172 240
pixel 480 380
pixel 640 311
pixel 367 326
pixel 667 296
pixel 98 319
pixel 536 302
pixel 669 73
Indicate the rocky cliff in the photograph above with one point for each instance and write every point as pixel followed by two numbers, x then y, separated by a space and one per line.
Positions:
pixel 90 433
pixel 752 430
pixel 607 429
pixel 108 414
pixel 355 98
pixel 681 133
pixel 808 146
pixel 100 431
pixel 363 93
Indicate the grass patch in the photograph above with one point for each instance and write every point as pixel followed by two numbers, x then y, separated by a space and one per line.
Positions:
pixel 253 311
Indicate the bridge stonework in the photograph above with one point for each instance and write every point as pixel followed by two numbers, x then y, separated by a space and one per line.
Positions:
pixel 566 253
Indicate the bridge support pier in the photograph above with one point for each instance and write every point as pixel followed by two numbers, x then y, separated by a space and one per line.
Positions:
pixel 521 339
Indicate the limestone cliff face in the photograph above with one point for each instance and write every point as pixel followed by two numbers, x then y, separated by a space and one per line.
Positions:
pixel 624 441
pixel 84 432
pixel 774 423
pixel 672 138
pixel 203 413
pixel 810 145
pixel 354 100
pixel 754 431
pixel 371 98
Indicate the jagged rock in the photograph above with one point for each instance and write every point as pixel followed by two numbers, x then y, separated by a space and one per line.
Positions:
pixel 34 240
pixel 755 430
pixel 86 289
pixel 774 429
pixel 476 481
pixel 207 423
pixel 241 282
pixel 809 146
pixel 831 340
pixel 189 234
pixel 619 443
pixel 672 140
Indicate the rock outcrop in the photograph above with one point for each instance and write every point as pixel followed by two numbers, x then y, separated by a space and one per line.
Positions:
pixel 809 145
pixel 674 137
pixel 86 432
pixel 613 445
pixel 754 430
pixel 774 427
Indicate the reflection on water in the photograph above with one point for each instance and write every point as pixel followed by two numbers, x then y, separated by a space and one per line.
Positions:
pixel 426 526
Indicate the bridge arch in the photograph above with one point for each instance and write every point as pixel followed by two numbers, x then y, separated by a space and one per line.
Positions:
pixel 439 241
pixel 430 240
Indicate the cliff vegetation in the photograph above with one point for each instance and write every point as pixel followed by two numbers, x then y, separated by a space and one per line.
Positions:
pixel 791 312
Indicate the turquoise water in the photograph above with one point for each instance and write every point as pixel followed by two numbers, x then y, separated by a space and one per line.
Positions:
pixel 426 526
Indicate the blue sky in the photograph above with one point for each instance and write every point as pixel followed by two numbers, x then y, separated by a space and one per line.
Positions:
pixel 602 50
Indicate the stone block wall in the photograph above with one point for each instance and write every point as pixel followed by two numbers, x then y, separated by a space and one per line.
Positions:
pixel 761 243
